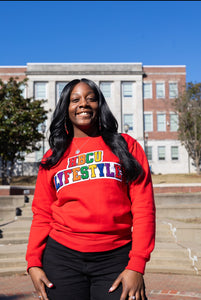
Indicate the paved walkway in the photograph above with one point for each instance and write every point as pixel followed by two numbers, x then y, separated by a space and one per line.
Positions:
pixel 159 287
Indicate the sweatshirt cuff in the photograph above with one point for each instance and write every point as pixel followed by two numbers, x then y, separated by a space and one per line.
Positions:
pixel 34 262
pixel 137 264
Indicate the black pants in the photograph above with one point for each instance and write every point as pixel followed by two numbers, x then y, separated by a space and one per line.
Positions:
pixel 83 276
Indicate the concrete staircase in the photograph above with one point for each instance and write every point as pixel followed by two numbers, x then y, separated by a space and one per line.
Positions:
pixel 178 235
pixel 178 238
pixel 13 241
pixel 171 255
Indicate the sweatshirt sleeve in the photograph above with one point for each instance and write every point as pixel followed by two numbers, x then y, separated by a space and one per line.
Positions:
pixel 44 196
pixel 143 212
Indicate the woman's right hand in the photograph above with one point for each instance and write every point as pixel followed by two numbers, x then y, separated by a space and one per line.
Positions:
pixel 40 279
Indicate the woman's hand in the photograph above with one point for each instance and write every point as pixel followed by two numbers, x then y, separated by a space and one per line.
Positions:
pixel 40 280
pixel 132 285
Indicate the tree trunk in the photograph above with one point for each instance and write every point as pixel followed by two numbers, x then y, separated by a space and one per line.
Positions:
pixel 197 164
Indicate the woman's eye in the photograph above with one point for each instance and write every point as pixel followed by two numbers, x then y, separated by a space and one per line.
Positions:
pixel 74 100
pixel 91 99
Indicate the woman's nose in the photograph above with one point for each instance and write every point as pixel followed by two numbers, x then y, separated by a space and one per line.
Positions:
pixel 83 102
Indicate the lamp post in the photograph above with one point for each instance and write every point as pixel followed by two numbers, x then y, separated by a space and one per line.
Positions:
pixel 126 128
pixel 43 128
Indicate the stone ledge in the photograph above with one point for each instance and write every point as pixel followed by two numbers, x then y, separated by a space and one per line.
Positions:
pixel 158 188
pixel 177 188
pixel 6 190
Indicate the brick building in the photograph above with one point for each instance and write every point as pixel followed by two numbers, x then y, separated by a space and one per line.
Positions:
pixel 12 71
pixel 161 85
pixel 139 96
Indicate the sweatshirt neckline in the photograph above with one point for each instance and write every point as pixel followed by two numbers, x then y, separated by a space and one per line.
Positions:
pixel 87 138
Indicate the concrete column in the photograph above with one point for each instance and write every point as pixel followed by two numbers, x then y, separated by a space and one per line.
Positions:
pixel 117 111
pixel 138 112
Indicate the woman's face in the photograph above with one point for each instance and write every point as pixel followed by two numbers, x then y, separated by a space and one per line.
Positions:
pixel 83 110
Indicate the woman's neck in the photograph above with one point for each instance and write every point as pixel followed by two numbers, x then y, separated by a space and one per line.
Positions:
pixel 89 133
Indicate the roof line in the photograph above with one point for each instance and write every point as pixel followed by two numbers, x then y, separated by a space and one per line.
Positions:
pixel 12 67
pixel 164 66
pixel 88 63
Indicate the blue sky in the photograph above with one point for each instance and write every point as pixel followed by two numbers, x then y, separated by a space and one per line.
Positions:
pixel 151 32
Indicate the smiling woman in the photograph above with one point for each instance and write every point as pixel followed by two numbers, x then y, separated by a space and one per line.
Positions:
pixel 94 216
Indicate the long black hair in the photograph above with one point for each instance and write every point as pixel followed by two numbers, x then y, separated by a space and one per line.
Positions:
pixel 61 132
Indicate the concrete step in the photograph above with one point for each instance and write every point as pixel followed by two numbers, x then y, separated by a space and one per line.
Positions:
pixel 188 234
pixel 14 234
pixel 16 226
pixel 14 240
pixel 13 262
pixel 164 239
pixel 25 218
pixel 12 271
pixel 179 212
pixel 179 198
pixel 163 231
pixel 173 262
pixel 13 251
pixel 27 213
pixel 11 201
pixel 7 213
pixel 171 253
pixel 171 270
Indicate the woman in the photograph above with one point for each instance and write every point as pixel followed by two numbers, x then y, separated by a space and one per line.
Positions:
pixel 94 216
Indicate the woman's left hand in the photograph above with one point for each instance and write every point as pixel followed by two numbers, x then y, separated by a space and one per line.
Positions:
pixel 132 285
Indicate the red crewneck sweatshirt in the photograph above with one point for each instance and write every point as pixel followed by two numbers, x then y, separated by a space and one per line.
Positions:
pixel 84 204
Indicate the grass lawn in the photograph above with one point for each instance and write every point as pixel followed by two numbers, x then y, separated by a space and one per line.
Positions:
pixel 165 178
pixel 176 178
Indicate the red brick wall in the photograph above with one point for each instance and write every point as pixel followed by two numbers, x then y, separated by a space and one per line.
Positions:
pixel 177 189
pixel 7 72
pixel 154 105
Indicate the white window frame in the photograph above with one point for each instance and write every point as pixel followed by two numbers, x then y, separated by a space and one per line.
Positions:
pixel 35 90
pixel 164 152
pixel 58 92
pixel 146 127
pixel 130 123
pixel 150 96
pixel 148 148
pixel 106 83
pixel 173 156
pixel 163 90
pixel 172 128
pixel 171 96
pixel 23 88
pixel 129 93
pixel 161 129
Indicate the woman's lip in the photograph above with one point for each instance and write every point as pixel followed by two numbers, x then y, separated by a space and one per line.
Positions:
pixel 84 113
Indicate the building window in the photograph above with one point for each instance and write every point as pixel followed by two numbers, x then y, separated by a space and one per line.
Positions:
pixel 148 122
pixel 127 89
pixel 149 152
pixel 173 122
pixel 174 152
pixel 173 90
pixel 161 152
pixel 106 89
pixel 160 90
pixel 147 90
pixel 128 119
pixel 59 89
pixel 40 90
pixel 23 89
pixel 39 154
pixel 161 122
